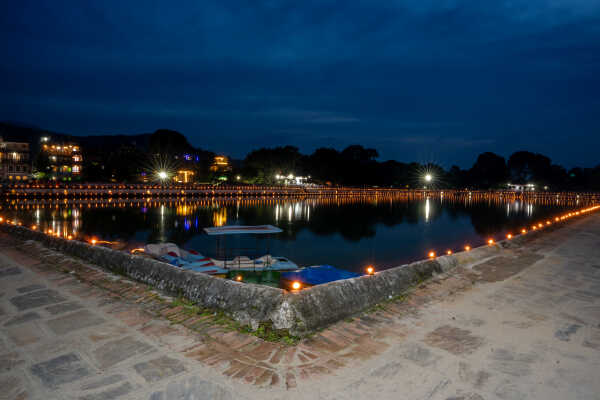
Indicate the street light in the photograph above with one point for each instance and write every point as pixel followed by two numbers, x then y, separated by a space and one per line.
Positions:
pixel 162 175
pixel 428 178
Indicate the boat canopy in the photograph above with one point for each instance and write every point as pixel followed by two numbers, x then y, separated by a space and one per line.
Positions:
pixel 242 229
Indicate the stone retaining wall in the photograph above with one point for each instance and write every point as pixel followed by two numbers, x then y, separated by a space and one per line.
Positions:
pixel 299 312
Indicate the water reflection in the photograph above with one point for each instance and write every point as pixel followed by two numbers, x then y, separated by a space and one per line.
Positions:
pixel 344 231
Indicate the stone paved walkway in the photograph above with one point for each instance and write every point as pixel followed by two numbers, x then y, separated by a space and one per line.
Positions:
pixel 522 325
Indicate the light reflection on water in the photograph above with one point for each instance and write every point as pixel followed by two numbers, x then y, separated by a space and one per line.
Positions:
pixel 346 232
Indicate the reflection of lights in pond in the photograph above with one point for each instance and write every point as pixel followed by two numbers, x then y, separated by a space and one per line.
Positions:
pixel 220 217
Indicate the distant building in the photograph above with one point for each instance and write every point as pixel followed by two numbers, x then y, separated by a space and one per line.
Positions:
pixel 15 164
pixel 184 176
pixel 291 179
pixel 220 164
pixel 64 159
pixel 528 187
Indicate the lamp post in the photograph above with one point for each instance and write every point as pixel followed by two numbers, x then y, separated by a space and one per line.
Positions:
pixel 428 178
pixel 162 175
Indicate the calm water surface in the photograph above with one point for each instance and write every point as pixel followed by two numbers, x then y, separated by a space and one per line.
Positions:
pixel 345 232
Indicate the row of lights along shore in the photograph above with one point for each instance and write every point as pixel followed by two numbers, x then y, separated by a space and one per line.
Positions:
pixel 369 270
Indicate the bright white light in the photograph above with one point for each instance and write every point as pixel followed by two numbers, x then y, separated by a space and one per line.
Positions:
pixel 162 175
pixel 428 177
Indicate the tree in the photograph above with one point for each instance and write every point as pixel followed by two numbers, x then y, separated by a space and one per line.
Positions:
pixel 524 167
pixel 41 163
pixel 165 141
pixel 264 164
pixel 488 171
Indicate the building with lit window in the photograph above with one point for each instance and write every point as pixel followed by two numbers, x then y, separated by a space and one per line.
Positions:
pixel 184 176
pixel 220 164
pixel 64 159
pixel 15 164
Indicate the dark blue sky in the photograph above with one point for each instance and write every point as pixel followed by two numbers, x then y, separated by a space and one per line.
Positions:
pixel 423 80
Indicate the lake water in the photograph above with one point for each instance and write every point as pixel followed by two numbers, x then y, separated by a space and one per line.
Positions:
pixel 345 232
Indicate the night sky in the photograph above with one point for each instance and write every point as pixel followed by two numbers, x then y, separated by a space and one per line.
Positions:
pixel 422 80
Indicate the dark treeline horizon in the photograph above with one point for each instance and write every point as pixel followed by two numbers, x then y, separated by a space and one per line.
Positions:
pixel 358 166
pixel 125 158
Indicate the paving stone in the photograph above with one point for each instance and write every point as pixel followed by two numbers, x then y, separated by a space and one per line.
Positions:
pixel 566 331
pixel 63 308
pixel 24 334
pixel 512 363
pixel 194 388
pixel 110 394
pixel 159 368
pixel 10 361
pixel 11 388
pixel 37 299
pixel 420 355
pixel 60 370
pixel 109 380
pixel 454 340
pixel 119 350
pixel 72 322
pixel 30 288
pixel 19 319
pixel 9 271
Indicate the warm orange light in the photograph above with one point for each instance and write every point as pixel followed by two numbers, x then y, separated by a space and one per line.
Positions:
pixel 296 285
pixel 490 241
pixel 370 270
pixel 33 227
pixel 93 241
pixel 467 248
pixel 238 278
pixel 1 219
pixel 431 254
pixel 534 227
pixel 138 250
pixel 556 219
pixel 523 231
pixel 449 252
pixel 49 232
pixel 540 225
pixel 509 236
pixel 70 237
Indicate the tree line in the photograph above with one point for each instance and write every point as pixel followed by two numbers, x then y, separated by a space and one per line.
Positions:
pixel 358 166
pixel 127 158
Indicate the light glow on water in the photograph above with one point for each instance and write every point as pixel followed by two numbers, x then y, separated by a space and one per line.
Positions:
pixel 345 231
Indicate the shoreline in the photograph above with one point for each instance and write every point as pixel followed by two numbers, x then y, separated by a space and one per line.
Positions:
pixel 299 313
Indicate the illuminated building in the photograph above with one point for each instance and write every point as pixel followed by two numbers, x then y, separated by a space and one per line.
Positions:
pixel 14 161
pixel 521 187
pixel 184 176
pixel 64 159
pixel 291 179
pixel 220 164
